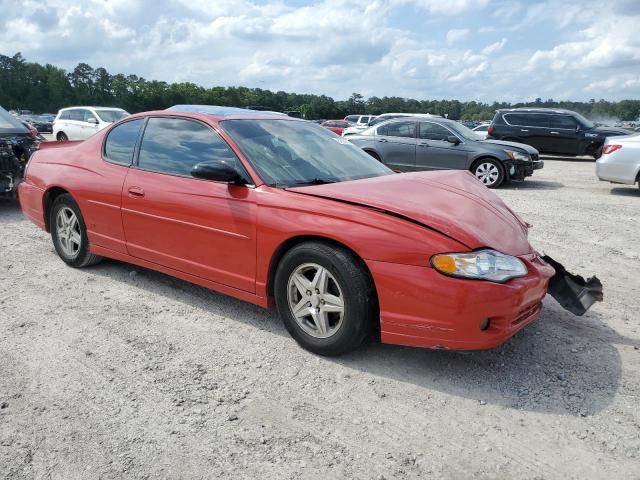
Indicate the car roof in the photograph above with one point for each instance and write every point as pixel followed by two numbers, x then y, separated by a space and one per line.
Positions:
pixel 227 113
pixel 94 107
pixel 434 118
pixel 535 110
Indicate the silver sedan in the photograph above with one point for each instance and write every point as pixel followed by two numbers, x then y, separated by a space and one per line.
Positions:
pixel 620 160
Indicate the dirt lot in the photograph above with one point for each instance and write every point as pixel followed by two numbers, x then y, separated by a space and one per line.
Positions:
pixel 117 372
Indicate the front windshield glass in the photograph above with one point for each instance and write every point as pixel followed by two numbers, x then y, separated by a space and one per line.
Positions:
pixel 9 123
pixel 287 153
pixel 585 122
pixel 111 115
pixel 466 133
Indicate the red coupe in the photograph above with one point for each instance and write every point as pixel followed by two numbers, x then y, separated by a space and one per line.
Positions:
pixel 275 210
pixel 336 126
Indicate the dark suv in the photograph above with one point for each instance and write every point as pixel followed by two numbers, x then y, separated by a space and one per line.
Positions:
pixel 561 132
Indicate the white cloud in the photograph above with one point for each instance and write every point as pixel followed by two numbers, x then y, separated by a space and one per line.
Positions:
pixel 457 35
pixel 556 48
pixel 494 47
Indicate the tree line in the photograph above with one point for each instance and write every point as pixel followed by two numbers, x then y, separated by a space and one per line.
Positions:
pixel 47 88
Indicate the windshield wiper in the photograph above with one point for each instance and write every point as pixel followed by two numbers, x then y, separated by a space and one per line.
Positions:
pixel 314 181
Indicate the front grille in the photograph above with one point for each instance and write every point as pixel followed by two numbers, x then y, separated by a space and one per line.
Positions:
pixel 535 157
pixel 8 162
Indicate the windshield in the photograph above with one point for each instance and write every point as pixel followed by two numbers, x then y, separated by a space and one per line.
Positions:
pixel 466 133
pixel 111 115
pixel 287 153
pixel 9 123
pixel 585 122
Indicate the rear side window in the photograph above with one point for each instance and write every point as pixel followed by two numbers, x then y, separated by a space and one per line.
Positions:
pixel 563 121
pixel 527 119
pixel 76 115
pixel 176 145
pixel 433 131
pixel 66 115
pixel 398 129
pixel 352 118
pixel 121 142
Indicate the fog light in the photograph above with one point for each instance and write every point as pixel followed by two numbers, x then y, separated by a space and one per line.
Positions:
pixel 484 324
pixel 512 170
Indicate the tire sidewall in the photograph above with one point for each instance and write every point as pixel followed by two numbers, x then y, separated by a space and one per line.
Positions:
pixel 354 320
pixel 498 165
pixel 67 201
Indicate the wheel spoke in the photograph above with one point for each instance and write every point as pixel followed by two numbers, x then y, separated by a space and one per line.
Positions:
pixel 333 304
pixel 74 237
pixel 320 280
pixel 301 308
pixel 321 320
pixel 302 284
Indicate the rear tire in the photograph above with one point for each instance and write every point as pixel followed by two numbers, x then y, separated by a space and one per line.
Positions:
pixel 62 137
pixel 374 155
pixel 332 294
pixel 490 172
pixel 69 233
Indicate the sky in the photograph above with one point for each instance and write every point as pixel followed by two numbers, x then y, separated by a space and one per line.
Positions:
pixel 483 50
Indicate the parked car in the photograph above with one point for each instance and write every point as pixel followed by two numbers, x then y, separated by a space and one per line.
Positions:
pixel 482 130
pixel 80 123
pixel 620 160
pixel 42 123
pixel 358 120
pixel 275 210
pixel 418 143
pixel 559 132
pixel 336 126
pixel 379 119
pixel 17 143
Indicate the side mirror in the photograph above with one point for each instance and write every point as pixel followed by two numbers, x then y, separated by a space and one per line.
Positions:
pixel 93 120
pixel 453 139
pixel 219 170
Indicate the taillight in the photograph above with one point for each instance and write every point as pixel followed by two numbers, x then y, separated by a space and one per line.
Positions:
pixel 491 130
pixel 607 149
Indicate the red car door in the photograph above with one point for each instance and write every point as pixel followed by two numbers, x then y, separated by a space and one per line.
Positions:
pixel 196 226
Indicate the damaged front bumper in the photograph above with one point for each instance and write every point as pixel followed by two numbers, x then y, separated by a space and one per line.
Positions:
pixel 573 292
pixel 519 170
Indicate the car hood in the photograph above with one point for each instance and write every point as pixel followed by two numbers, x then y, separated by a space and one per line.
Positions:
pixel 604 131
pixel 453 203
pixel 521 146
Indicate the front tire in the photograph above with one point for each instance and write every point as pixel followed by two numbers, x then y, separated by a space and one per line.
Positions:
pixel 69 233
pixel 62 137
pixel 325 298
pixel 490 172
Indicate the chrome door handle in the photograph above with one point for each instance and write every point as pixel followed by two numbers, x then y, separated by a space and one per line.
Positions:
pixel 423 144
pixel 383 140
pixel 523 130
pixel 554 133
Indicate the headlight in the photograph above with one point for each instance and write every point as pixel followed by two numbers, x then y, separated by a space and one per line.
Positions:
pixel 518 155
pixel 481 265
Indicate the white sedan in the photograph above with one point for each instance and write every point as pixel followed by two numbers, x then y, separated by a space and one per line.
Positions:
pixel 482 130
pixel 620 160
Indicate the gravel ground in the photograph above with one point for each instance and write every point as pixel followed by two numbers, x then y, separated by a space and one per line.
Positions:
pixel 116 372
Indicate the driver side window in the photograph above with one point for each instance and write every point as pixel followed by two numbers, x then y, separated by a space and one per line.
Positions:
pixel 432 131
pixel 175 145
pixel 398 129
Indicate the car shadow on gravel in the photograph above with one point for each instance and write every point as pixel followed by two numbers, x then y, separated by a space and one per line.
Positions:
pixel 631 191
pixel 532 185
pixel 561 364
pixel 10 211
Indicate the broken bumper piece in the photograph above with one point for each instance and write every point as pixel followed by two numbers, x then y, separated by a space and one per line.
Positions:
pixel 573 292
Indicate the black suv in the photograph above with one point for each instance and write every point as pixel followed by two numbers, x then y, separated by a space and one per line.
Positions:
pixel 560 132
pixel 16 145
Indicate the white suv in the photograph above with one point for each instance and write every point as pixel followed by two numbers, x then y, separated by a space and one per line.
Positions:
pixel 79 123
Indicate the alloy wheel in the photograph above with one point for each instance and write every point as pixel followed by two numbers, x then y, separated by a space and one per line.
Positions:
pixel 316 301
pixel 68 232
